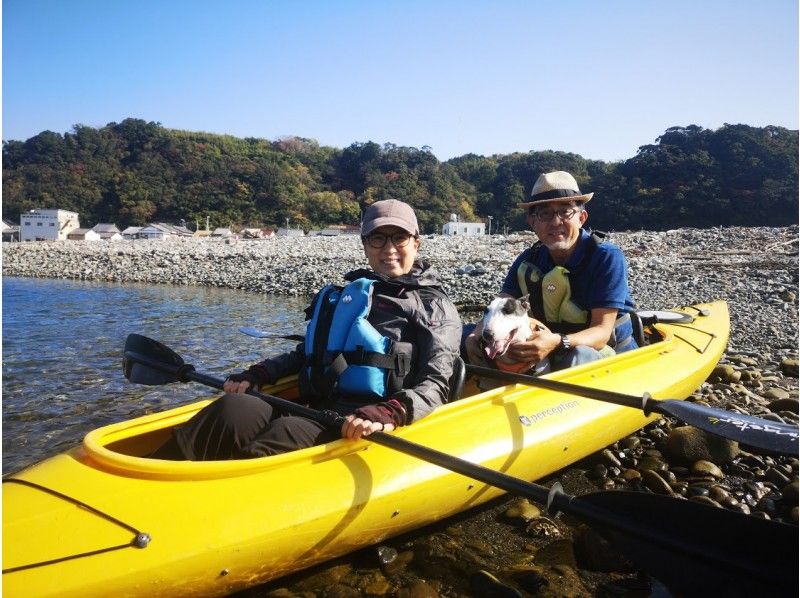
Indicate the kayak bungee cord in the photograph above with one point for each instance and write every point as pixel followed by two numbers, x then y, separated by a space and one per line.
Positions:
pixel 140 539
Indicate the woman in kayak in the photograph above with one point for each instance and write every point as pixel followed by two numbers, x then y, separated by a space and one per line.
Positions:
pixel 379 351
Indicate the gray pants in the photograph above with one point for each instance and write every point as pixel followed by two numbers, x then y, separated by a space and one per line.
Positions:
pixel 238 426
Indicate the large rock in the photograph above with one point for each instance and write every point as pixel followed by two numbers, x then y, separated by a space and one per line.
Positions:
pixel 688 444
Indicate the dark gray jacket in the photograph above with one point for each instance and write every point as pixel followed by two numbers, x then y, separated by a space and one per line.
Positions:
pixel 413 309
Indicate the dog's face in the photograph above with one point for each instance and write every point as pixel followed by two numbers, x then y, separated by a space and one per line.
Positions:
pixel 504 320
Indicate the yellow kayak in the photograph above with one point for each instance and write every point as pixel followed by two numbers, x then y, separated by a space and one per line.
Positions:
pixel 103 520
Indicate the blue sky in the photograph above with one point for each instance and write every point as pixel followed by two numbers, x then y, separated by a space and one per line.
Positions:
pixel 595 78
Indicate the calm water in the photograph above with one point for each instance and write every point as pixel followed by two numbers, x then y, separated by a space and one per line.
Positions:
pixel 63 344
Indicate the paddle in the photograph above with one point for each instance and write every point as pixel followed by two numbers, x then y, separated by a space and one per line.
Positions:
pixel 690 547
pixel 760 433
pixel 255 332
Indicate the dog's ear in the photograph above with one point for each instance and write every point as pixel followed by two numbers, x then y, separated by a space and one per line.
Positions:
pixel 525 302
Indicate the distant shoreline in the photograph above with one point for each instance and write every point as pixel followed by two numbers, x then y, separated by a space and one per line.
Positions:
pixel 754 269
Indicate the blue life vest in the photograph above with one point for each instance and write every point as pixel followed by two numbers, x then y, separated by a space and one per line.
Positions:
pixel 344 352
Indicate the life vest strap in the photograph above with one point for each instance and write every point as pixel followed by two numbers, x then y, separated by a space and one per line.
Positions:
pixel 337 363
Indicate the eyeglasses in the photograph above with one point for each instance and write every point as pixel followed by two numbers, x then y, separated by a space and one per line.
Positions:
pixel 378 240
pixel 547 214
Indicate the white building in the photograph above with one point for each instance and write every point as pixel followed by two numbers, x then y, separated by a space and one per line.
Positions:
pixel 10 231
pixel 162 230
pixel 47 225
pixel 108 232
pixel 83 234
pixel 131 233
pixel 454 227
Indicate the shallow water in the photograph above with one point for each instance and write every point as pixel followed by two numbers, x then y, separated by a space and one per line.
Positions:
pixel 63 343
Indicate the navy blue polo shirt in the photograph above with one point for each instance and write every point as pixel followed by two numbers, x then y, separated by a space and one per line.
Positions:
pixel 598 279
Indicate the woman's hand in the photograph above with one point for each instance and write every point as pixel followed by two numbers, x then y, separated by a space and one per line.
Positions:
pixel 356 427
pixel 236 387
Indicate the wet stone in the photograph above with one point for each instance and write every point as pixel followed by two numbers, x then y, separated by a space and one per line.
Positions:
pixel 669 477
pixel 689 444
pixel 790 367
pixel 595 553
pixel 695 490
pixel 597 472
pixel 719 494
pixel 655 482
pixel 530 580
pixel 543 528
pixel 707 468
pixel 484 583
pixel 739 471
pixel 340 590
pixel 739 507
pixel 724 373
pixel 400 564
pixel 631 476
pixel 776 476
pixel 523 509
pixel 653 464
pixel 767 505
pixel 418 589
pixel 610 459
pixel 789 493
pixel 558 552
pixel 782 403
pixel 681 488
pixel 631 442
pixel 386 555
pixel 705 500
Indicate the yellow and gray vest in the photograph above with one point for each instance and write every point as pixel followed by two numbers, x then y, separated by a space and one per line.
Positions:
pixel 551 301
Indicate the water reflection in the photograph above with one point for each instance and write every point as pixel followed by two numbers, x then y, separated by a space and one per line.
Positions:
pixel 62 352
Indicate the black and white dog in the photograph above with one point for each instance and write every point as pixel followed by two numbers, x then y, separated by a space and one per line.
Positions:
pixel 506 320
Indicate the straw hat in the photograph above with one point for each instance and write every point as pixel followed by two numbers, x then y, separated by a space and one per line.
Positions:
pixel 558 186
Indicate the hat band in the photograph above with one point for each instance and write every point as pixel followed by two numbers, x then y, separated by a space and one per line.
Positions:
pixel 555 194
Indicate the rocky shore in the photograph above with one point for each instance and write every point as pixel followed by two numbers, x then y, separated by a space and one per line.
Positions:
pixel 510 547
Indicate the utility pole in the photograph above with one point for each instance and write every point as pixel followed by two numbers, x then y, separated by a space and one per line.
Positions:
pixel 490 229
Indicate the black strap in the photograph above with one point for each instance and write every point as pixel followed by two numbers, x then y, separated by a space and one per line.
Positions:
pixel 339 362
pixel 321 334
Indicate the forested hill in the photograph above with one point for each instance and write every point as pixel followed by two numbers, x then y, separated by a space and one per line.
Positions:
pixel 135 172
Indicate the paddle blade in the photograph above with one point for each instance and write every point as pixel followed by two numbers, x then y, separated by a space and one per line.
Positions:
pixel 256 333
pixel 149 362
pixel 695 549
pixel 760 433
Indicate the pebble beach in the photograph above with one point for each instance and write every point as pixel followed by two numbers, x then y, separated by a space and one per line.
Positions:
pixel 511 547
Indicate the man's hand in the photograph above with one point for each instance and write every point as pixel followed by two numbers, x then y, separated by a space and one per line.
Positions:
pixel 541 343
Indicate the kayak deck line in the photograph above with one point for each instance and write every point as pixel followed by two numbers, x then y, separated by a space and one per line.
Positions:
pixel 140 539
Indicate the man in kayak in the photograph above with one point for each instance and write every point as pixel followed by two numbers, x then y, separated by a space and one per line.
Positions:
pixel 575 281
pixel 379 351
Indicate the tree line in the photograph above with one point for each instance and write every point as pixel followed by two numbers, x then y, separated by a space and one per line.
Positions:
pixel 135 172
